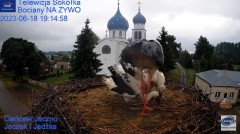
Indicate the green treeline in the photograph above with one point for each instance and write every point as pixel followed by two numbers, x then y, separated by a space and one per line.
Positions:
pixel 207 56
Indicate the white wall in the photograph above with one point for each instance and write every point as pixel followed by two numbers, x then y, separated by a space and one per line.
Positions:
pixel 143 36
pixel 224 90
pixel 64 64
pixel 109 59
pixel 204 86
pixel 117 34
pixel 139 26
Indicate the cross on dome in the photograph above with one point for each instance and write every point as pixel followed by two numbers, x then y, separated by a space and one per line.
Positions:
pixel 139 3
pixel 118 22
pixel 106 33
pixel 139 18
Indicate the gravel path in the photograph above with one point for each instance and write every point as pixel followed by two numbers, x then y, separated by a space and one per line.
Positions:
pixel 183 78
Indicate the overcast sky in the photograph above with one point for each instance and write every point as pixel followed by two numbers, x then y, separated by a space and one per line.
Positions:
pixel 218 20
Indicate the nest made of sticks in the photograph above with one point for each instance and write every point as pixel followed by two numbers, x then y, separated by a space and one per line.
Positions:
pixel 89 107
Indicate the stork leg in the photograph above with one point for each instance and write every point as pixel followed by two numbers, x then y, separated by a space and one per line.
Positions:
pixel 143 95
pixel 145 107
pixel 148 90
pixel 142 86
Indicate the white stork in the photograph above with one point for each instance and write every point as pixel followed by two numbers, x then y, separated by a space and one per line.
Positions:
pixel 129 86
pixel 144 55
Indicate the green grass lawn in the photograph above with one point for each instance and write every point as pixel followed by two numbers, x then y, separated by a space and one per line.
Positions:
pixel 236 67
pixel 174 74
pixel 58 80
pixel 190 76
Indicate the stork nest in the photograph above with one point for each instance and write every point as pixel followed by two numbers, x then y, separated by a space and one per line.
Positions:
pixel 89 107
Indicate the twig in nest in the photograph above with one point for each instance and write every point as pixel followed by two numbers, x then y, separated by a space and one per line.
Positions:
pixel 64 118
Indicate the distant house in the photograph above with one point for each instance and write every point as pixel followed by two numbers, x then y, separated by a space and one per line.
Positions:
pixel 45 68
pixel 219 84
pixel 60 63
pixel 63 65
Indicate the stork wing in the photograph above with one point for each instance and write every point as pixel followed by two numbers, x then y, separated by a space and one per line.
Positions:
pixel 125 81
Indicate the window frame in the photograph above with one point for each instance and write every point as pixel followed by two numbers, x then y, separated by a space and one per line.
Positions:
pixel 136 35
pixel 120 34
pixel 114 33
pixel 217 94
pixel 140 35
pixel 106 49
pixel 231 95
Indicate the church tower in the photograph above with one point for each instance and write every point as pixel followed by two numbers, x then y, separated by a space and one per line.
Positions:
pixel 118 26
pixel 139 32
pixel 110 49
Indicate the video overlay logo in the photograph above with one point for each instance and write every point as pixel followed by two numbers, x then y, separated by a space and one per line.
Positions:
pixel 228 123
pixel 8 6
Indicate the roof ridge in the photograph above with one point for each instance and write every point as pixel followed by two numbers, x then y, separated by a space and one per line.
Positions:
pixel 225 77
pixel 217 79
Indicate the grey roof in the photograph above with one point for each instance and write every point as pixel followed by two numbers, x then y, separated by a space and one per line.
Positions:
pixel 56 58
pixel 221 78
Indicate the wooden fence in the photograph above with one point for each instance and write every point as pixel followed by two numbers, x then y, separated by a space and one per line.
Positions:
pixel 38 83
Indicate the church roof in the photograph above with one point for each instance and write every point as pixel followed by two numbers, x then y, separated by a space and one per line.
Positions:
pixel 123 43
pixel 118 22
pixel 139 18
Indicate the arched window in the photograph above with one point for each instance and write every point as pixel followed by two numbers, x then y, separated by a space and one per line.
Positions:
pixel 106 49
pixel 120 34
pixel 140 34
pixel 113 33
pixel 135 35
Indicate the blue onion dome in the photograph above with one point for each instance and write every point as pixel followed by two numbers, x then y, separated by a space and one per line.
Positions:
pixel 118 22
pixel 139 18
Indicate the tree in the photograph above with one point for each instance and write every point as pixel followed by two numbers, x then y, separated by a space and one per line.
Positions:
pixel 218 61
pixel 203 54
pixel 176 47
pixel 84 61
pixel 33 62
pixel 66 57
pixel 18 53
pixel 170 49
pixel 185 59
pixel 230 51
pixel 52 57
pixel 203 48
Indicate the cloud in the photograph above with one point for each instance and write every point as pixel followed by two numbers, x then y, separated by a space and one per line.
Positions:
pixel 218 20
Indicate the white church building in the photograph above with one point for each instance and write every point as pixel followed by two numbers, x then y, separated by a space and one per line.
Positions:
pixel 111 46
